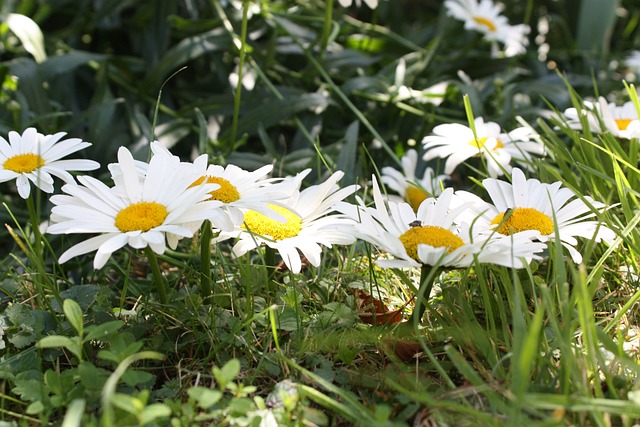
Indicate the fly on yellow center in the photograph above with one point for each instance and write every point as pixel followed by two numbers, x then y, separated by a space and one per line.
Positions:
pixel 431 235
pixel 141 216
pixel 415 196
pixel 265 226
pixel 480 142
pixel 23 163
pixel 623 123
pixel 521 219
pixel 227 192
pixel 486 22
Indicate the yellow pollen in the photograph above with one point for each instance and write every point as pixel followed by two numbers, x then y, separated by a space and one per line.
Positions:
pixel 431 235
pixel 623 123
pixel 23 163
pixel 415 196
pixel 141 216
pixel 521 219
pixel 484 21
pixel 265 226
pixel 227 192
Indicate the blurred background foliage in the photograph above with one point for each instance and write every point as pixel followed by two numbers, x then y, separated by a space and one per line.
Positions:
pixel 105 64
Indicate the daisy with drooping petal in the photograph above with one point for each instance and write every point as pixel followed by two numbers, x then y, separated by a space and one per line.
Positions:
pixel 456 143
pixel 529 205
pixel 484 16
pixel 371 3
pixel 150 212
pixel 620 121
pixel 311 222
pixel 240 191
pixel 35 157
pixel 435 235
pixel 405 183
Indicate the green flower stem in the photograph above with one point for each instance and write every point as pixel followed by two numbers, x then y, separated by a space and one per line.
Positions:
pixel 35 220
pixel 328 21
pixel 427 277
pixel 158 278
pixel 205 261
pixel 243 51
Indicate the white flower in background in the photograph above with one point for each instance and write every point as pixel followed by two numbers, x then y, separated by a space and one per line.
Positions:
pixel 249 77
pixel 35 157
pixel 153 211
pixel 435 235
pixel 400 92
pixel 456 143
pixel 347 3
pixel 528 205
pixel 485 17
pixel 621 121
pixel 408 186
pixel 633 61
pixel 311 221
pixel 240 190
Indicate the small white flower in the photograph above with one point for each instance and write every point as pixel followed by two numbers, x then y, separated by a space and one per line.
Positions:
pixel 485 17
pixel 153 211
pixel 311 221
pixel 529 205
pixel 456 143
pixel 411 189
pixel 620 121
pixel 34 157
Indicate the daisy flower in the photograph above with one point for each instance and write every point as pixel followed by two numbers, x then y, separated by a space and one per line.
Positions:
pixel 529 205
pixel 405 183
pixel 347 3
pixel 239 191
pixel 35 157
pixel 620 121
pixel 456 143
pixel 434 235
pixel 484 16
pixel 311 220
pixel 150 212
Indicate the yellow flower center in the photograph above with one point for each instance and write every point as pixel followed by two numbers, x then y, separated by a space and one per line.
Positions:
pixel 415 196
pixel 623 123
pixel 479 143
pixel 227 192
pixel 521 219
pixel 431 235
pixel 141 216
pixel 23 163
pixel 484 21
pixel 265 226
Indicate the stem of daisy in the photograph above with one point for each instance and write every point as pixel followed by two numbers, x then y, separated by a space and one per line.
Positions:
pixel 206 234
pixel 34 217
pixel 238 92
pixel 328 21
pixel 158 278
pixel 427 277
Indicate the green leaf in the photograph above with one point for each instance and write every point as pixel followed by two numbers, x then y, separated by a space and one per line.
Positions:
pixel 92 377
pixel 55 341
pixel 227 373
pixel 205 397
pixel 97 332
pixel 595 22
pixel 84 295
pixel 74 315
pixel 347 160
pixel 29 34
pixel 152 412
pixel 127 403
